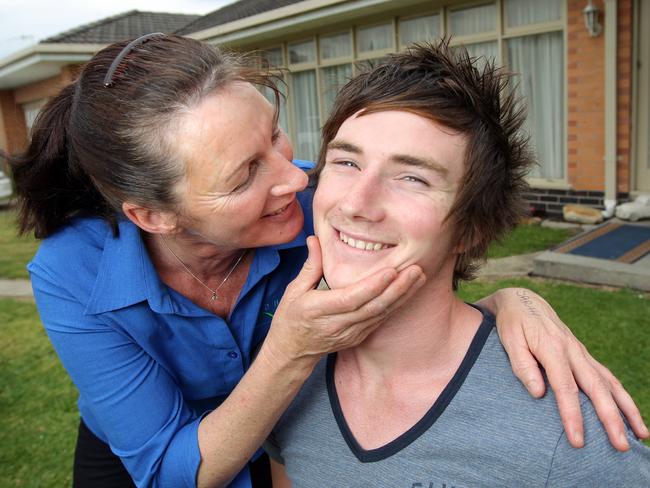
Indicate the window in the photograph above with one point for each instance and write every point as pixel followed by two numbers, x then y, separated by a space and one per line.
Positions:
pixel 527 36
pixel 419 29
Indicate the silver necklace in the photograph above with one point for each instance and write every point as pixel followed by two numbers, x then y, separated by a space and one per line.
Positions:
pixel 214 292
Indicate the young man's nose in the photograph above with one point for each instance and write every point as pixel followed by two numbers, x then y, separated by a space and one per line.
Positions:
pixel 363 200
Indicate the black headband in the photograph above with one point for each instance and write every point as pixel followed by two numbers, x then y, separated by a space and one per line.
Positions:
pixel 108 79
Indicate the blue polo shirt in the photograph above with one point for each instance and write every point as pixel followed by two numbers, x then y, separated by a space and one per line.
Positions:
pixel 148 363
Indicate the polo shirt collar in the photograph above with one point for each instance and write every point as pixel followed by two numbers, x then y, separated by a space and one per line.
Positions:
pixel 126 275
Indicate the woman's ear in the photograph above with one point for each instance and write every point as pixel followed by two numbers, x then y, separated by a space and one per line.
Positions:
pixel 151 221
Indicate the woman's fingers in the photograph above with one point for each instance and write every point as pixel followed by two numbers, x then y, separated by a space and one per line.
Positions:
pixel 565 389
pixel 311 272
pixel 624 401
pixel 523 363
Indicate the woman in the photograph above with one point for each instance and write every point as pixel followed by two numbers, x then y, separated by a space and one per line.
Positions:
pixel 168 202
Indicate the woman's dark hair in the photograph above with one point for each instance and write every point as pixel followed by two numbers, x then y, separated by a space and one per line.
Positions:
pixel 446 86
pixel 94 147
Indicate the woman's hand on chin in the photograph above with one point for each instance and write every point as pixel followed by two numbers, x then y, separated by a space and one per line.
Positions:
pixel 309 323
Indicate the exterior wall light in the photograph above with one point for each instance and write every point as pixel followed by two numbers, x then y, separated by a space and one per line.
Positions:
pixel 590 13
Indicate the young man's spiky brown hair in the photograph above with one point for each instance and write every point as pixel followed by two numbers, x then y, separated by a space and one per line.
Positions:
pixel 447 86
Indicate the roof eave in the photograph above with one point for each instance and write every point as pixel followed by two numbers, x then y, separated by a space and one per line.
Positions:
pixel 40 61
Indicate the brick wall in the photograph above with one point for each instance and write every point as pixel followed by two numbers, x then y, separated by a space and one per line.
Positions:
pixel 13 133
pixel 586 102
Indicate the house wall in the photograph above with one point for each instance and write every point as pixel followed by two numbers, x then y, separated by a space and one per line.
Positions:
pixel 13 131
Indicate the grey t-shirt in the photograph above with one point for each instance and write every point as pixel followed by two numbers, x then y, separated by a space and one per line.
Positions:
pixel 484 430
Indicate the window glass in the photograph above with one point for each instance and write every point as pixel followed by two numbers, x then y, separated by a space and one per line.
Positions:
pixel 335 46
pixel 522 12
pixel 304 98
pixel 539 60
pixel 473 20
pixel 270 96
pixel 483 52
pixel 302 52
pixel 419 29
pixel 375 38
pixel 273 57
pixel 332 80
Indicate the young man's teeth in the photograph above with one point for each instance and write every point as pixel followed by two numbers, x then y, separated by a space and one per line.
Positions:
pixel 359 244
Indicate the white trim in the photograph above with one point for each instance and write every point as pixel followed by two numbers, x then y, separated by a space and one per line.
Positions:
pixel 611 32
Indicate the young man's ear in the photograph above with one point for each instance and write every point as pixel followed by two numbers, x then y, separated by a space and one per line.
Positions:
pixel 151 221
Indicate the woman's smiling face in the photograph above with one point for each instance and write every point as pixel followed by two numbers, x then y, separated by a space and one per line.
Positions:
pixel 389 180
pixel 240 185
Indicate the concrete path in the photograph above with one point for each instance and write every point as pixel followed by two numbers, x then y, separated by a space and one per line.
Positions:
pixel 15 288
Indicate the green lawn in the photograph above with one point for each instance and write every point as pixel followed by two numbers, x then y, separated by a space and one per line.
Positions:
pixel 15 252
pixel 527 238
pixel 37 404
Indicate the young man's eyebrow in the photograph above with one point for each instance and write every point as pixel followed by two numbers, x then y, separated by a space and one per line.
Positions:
pixel 426 163
pixel 344 146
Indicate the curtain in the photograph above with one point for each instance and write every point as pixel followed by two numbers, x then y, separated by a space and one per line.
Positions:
pixel 483 52
pixel 374 38
pixel 332 80
pixel 523 12
pixel 473 20
pixel 304 99
pixel 270 96
pixel 539 62
pixel 336 46
pixel 419 29
pixel 302 52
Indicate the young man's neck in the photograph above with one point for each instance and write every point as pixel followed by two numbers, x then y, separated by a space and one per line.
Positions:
pixel 428 335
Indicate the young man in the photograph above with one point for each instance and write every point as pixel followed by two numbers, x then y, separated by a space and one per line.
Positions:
pixel 423 162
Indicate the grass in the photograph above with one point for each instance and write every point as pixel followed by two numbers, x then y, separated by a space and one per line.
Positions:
pixel 527 238
pixel 15 252
pixel 38 412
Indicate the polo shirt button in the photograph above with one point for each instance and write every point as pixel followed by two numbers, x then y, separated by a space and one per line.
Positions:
pixel 233 355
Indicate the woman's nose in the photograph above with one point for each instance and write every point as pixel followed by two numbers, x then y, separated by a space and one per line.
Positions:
pixel 291 180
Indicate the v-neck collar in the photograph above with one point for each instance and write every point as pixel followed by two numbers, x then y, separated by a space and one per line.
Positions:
pixel 429 418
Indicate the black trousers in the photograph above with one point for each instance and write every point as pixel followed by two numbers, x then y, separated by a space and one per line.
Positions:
pixel 95 465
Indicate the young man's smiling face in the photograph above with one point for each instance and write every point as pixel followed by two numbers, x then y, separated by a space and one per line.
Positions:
pixel 389 180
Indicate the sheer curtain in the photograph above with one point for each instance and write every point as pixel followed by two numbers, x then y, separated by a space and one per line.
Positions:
pixel 304 99
pixel 335 46
pixel 332 80
pixel 473 20
pixel 419 29
pixel 483 52
pixel 375 38
pixel 539 62
pixel 523 12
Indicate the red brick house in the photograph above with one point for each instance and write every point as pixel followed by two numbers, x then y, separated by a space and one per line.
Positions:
pixel 588 90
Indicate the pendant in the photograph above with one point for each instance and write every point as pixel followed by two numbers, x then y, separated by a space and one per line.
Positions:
pixel 214 295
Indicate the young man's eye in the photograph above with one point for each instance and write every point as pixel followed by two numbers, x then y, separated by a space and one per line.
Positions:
pixel 415 179
pixel 346 163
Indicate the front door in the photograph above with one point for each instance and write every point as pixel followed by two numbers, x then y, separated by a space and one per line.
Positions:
pixel 642 156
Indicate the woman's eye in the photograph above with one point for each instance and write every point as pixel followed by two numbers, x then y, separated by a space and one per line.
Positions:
pixel 252 170
pixel 276 135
